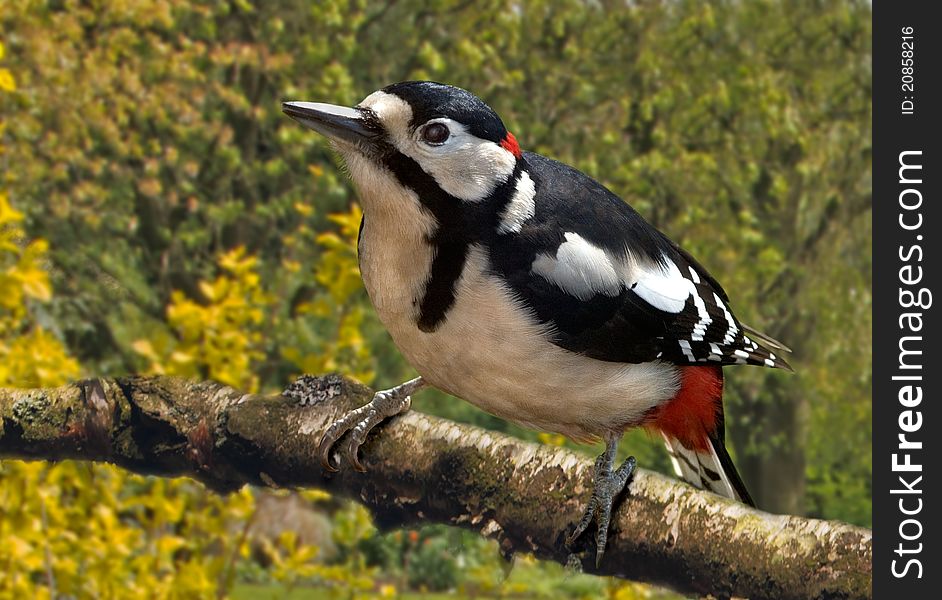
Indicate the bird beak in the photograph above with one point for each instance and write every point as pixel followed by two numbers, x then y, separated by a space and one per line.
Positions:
pixel 337 123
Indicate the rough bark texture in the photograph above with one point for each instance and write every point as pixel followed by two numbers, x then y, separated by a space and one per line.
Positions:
pixel 421 468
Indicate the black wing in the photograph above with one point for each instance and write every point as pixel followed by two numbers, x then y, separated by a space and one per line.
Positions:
pixel 613 287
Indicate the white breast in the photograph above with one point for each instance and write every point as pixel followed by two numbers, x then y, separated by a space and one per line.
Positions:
pixel 490 350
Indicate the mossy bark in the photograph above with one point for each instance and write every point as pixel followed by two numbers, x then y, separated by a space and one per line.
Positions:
pixel 426 469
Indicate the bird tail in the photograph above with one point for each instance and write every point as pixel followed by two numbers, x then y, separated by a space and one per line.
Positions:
pixel 693 428
pixel 766 339
pixel 709 468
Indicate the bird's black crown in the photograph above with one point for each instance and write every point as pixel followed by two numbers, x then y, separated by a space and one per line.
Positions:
pixel 431 100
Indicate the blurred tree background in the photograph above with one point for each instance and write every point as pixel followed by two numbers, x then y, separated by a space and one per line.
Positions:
pixel 159 214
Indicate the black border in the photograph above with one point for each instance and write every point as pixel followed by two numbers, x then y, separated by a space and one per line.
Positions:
pixel 894 133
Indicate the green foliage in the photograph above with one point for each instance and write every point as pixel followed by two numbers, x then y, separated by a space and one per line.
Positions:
pixel 95 531
pixel 185 226
pixel 432 566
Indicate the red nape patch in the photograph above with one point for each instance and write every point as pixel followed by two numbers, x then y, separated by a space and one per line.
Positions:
pixel 691 414
pixel 509 143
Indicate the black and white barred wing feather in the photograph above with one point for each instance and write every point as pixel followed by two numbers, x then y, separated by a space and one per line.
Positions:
pixel 701 327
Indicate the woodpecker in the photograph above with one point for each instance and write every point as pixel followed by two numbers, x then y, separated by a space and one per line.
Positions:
pixel 527 288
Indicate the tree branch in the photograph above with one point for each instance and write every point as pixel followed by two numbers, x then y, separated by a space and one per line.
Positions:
pixel 422 468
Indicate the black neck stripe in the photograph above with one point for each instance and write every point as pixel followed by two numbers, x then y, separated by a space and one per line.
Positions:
pixel 459 225
pixel 451 253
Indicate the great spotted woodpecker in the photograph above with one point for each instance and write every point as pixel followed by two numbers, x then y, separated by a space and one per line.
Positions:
pixel 527 288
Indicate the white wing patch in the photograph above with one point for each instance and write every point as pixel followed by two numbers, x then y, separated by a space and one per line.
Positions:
pixel 521 206
pixel 663 288
pixel 583 270
pixel 579 269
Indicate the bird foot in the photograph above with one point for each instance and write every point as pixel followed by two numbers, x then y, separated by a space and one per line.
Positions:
pixel 359 423
pixel 606 487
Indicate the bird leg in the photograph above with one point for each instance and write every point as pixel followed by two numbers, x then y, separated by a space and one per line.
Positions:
pixel 361 421
pixel 606 487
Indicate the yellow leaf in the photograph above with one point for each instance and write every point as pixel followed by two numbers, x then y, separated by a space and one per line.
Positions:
pixel 181 357
pixel 303 209
pixel 315 495
pixel 169 544
pixel 551 439
pixel 37 287
pixel 143 347
pixel 8 214
pixel 208 290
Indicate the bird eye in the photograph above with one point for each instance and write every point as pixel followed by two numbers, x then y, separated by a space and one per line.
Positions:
pixel 435 133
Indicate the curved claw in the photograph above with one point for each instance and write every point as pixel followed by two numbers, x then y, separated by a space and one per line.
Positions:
pixel 352 447
pixel 324 451
pixel 353 456
pixel 334 433
pixel 361 430
pixel 358 424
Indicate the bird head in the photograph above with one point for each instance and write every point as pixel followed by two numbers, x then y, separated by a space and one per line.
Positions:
pixel 442 142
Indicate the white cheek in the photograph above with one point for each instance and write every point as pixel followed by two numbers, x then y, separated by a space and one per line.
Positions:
pixel 465 166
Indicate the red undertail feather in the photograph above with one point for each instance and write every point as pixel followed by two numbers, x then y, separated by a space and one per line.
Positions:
pixel 692 426
pixel 509 143
pixel 692 414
